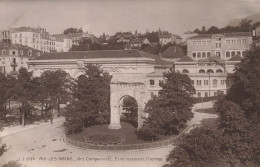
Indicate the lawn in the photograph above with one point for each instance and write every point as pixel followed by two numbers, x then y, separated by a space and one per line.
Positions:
pixel 127 132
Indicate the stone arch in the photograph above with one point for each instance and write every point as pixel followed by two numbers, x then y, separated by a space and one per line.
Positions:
pixel 201 71
pixel 219 71
pixel 185 71
pixel 117 92
pixel 210 71
pixel 78 73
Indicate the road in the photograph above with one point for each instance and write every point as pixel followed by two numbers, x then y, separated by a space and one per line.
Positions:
pixel 43 147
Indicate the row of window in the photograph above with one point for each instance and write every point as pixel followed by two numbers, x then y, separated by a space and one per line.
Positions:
pixel 215 82
pixel 235 41
pixel 185 71
pixel 20 35
pixel 13 52
pixel 200 54
pixel 152 82
pixel 194 43
pixel 233 53
pixel 218 44
pixel 206 94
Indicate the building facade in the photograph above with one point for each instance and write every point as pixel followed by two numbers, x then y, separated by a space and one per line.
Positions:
pixel 38 38
pixel 224 46
pixel 210 76
pixel 15 56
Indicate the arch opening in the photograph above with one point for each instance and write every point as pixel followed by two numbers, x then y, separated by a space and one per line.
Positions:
pixel 201 71
pixel 210 71
pixel 128 109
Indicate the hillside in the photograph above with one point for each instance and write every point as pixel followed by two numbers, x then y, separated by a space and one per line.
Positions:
pixel 254 18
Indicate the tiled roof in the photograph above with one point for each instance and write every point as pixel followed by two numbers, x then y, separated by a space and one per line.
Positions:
pixel 210 59
pixel 236 58
pixel 165 36
pixel 186 59
pixel 91 54
pixel 237 34
pixel 173 52
pixel 102 54
pixel 201 36
pixel 157 59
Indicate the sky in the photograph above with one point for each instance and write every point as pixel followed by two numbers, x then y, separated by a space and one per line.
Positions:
pixel 110 16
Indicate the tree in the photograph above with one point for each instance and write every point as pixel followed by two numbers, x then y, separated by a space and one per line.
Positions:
pixel 236 140
pixel 54 87
pixel 72 30
pixel 245 25
pixel 170 110
pixel 2 146
pixel 213 30
pixel 90 104
pixel 25 93
pixel 203 30
pixel 131 108
pixel 3 98
pixel 246 87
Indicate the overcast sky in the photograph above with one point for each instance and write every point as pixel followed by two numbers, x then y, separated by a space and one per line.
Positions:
pixel 110 16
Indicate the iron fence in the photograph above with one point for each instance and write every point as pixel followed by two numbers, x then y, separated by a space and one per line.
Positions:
pixel 141 146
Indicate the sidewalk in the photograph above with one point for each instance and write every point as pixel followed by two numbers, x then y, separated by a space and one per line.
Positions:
pixel 16 129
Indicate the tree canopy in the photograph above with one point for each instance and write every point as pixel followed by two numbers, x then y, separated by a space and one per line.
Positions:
pixel 170 110
pixel 72 30
pixel 90 102
pixel 234 138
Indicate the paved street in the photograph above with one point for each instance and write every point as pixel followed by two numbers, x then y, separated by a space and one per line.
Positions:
pixel 42 146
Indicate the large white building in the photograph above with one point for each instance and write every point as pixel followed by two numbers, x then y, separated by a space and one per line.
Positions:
pixel 224 46
pixel 38 38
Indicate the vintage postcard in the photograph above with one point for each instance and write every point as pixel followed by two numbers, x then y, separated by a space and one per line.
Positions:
pixel 131 83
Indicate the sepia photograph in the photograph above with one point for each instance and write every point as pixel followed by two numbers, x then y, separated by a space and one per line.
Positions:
pixel 129 83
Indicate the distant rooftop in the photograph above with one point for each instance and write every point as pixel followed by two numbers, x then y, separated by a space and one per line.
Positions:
pixel 173 52
pixel 186 59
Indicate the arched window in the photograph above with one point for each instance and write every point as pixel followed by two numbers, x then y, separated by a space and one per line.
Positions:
pixel 210 71
pixel 219 71
pixel 194 54
pixel 238 53
pixel 199 55
pixel 233 53
pixel 201 71
pixel 243 53
pixel 227 54
pixel 208 54
pixel 152 82
pixel 185 71
pixel 203 54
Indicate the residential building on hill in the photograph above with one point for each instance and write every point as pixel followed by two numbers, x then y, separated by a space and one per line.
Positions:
pixel 137 42
pixel 38 38
pixel 169 38
pixel 15 56
pixel 224 46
